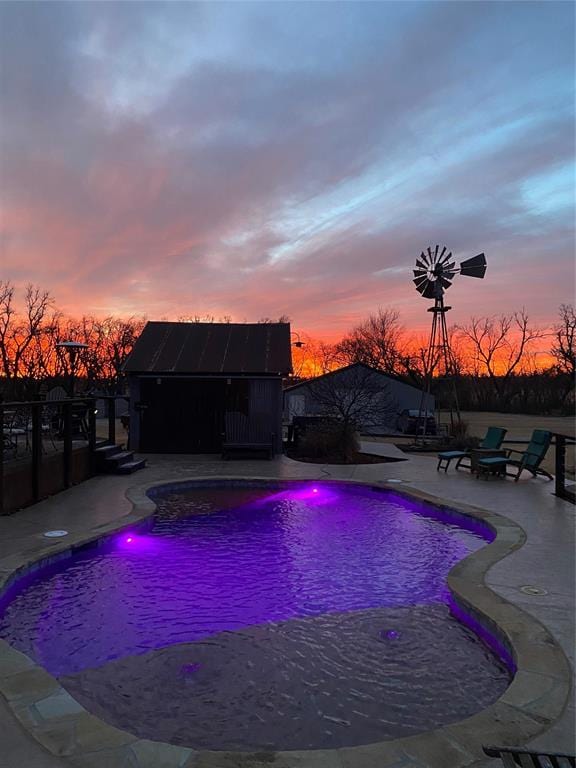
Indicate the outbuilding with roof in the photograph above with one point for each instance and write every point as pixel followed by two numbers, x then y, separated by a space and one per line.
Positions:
pixel 378 399
pixel 208 387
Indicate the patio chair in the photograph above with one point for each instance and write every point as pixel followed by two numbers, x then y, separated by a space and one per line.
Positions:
pixel 512 757
pixel 17 425
pixel 530 459
pixel 51 424
pixel 491 440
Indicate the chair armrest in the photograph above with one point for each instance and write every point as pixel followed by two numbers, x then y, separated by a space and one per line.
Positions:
pixel 524 455
pixel 529 453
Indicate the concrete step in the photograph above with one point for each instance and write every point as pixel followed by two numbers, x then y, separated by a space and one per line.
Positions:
pixel 114 460
pixel 130 466
pixel 105 450
pixel 118 458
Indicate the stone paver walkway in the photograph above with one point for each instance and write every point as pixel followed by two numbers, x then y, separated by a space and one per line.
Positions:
pixel 546 561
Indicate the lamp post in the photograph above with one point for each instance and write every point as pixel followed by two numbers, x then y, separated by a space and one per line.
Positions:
pixel 71 348
pixel 298 343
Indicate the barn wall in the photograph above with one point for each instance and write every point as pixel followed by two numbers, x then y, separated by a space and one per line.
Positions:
pixel 266 406
pixel 264 415
pixel 134 432
pixel 403 396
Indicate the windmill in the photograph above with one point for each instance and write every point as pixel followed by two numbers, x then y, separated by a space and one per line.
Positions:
pixel 433 275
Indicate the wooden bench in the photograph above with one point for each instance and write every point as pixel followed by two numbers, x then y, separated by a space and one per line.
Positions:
pixel 247 434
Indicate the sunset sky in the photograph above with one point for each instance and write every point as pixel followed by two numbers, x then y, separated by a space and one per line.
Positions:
pixel 266 159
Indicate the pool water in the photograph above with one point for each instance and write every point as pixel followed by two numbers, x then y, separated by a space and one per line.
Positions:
pixel 258 617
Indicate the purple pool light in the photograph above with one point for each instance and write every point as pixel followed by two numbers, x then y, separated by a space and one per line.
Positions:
pixel 324 494
pixel 136 544
pixel 257 593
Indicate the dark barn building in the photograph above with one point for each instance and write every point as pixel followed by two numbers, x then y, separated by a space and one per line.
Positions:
pixel 208 387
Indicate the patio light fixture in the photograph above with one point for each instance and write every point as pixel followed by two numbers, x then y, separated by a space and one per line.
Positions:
pixel 298 343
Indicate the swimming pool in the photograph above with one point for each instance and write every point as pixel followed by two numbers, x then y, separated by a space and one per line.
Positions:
pixel 260 616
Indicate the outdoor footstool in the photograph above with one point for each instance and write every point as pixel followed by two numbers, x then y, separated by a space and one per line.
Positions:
pixel 526 758
pixel 491 442
pixel 448 456
pixel 495 465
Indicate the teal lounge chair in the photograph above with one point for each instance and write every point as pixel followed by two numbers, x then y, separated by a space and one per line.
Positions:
pixel 530 459
pixel 492 439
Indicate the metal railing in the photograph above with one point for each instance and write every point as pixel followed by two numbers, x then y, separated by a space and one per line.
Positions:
pixel 39 438
pixel 111 413
pixel 37 422
pixel 560 443
pixel 560 489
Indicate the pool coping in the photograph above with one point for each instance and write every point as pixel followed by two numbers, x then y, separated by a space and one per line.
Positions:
pixel 534 700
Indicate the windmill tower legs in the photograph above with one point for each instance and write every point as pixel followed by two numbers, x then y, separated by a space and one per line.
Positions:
pixel 439 357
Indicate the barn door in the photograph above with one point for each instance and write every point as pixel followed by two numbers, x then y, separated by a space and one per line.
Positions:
pixel 181 415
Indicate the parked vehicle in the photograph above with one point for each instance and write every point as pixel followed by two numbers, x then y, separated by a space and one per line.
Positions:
pixel 413 422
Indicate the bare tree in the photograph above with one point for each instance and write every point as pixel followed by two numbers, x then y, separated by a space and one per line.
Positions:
pixel 281 319
pixel 564 347
pixel 203 319
pixel 7 313
pixel 313 358
pixel 498 344
pixel 20 334
pixel 377 342
pixel 48 362
pixel 120 337
pixel 109 342
pixel 356 398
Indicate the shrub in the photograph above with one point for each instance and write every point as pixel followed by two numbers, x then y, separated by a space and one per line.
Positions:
pixel 458 438
pixel 329 440
pixel 459 430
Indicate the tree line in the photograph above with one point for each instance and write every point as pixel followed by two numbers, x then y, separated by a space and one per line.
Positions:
pixel 30 360
pixel 496 358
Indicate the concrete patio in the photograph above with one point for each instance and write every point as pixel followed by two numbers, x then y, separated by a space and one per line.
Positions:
pixel 544 564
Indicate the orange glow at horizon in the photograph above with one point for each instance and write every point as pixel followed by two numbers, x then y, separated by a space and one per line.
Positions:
pixel 307 361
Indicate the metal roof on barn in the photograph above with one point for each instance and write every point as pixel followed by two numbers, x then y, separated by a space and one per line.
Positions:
pixel 212 348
